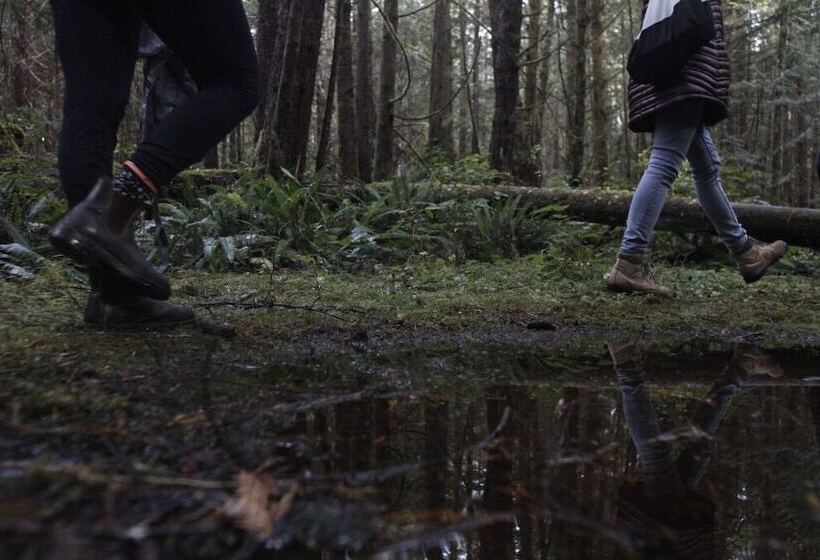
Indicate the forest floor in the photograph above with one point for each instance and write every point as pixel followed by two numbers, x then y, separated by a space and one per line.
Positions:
pixel 185 444
pixel 319 310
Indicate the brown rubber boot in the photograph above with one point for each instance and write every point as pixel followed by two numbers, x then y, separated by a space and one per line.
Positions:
pixel 758 257
pixel 631 274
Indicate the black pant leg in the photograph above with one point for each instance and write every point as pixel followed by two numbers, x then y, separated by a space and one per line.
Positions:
pixel 214 43
pixel 97 45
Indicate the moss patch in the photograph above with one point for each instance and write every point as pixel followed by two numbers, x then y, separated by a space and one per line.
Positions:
pixel 299 311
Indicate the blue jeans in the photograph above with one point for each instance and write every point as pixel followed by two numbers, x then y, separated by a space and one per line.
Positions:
pixel 661 471
pixel 679 134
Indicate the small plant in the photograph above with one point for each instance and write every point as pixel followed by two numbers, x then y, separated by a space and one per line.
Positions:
pixel 19 263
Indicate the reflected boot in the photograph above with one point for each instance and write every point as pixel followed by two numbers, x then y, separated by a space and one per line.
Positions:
pixel 753 261
pixel 112 306
pixel 631 273
pixel 628 355
pixel 751 360
pixel 97 232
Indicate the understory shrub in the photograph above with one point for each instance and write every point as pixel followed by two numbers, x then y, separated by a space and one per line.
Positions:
pixel 262 222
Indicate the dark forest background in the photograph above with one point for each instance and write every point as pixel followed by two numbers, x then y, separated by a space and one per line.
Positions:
pixel 535 89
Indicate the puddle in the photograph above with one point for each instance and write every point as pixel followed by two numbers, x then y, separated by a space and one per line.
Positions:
pixel 479 452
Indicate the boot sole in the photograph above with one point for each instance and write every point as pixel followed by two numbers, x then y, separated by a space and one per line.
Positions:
pixel 85 251
pixel 622 290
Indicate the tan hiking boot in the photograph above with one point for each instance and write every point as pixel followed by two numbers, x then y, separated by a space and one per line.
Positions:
pixel 758 256
pixel 632 274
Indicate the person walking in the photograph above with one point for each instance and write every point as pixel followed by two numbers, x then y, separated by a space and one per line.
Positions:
pixel 97 42
pixel 679 115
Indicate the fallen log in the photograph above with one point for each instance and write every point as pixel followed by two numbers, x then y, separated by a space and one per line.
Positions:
pixel 797 226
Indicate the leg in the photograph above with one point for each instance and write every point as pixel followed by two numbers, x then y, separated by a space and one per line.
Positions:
pixel 654 455
pixel 705 162
pixel 90 36
pixel 213 41
pixel 674 131
pixel 707 416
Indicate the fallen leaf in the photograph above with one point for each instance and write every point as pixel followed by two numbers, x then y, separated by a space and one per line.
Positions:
pixel 250 507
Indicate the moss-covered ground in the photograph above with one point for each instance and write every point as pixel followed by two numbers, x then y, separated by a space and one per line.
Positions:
pixel 425 299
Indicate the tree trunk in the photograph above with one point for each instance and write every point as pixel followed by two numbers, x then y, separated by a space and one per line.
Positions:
pixel 387 90
pixel 548 134
pixel 497 541
pixel 21 86
pixel 436 428
pixel 327 118
pixel 801 152
pixel 364 90
pixel 505 18
pixel 270 46
pixel 533 53
pixel 476 98
pixel 288 112
pixel 305 84
pixel 440 134
pixel 348 156
pixel 469 88
pixel 600 126
pixel 577 18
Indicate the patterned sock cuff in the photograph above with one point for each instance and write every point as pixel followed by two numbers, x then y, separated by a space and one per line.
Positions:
pixel 126 183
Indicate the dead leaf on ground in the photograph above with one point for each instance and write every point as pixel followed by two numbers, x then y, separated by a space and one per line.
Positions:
pixel 250 506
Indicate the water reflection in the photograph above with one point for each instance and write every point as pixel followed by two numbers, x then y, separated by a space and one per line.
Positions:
pixel 714 465
pixel 666 512
pixel 619 453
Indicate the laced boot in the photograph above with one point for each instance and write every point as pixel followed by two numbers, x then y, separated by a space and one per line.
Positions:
pixel 112 305
pixel 757 257
pixel 631 273
pixel 98 233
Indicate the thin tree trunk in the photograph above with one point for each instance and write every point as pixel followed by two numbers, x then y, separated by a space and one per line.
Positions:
pixel 364 90
pixel 533 53
pixel 577 18
pixel 506 17
pixel 278 102
pixel 440 134
pixel 436 428
pixel 387 91
pixel 546 110
pixel 476 98
pixel 21 73
pixel 305 86
pixel 327 118
pixel 270 46
pixel 469 88
pixel 600 126
pixel 345 98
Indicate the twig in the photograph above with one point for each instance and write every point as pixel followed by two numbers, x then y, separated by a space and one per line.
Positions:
pixel 87 475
